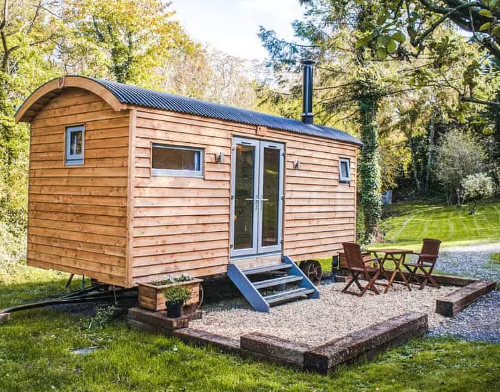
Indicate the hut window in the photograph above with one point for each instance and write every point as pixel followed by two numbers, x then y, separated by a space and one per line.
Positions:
pixel 74 145
pixel 345 171
pixel 177 161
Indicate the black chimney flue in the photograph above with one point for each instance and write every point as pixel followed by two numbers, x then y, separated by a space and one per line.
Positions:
pixel 307 92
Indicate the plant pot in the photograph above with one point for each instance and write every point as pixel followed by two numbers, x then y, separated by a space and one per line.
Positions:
pixel 174 310
pixel 151 297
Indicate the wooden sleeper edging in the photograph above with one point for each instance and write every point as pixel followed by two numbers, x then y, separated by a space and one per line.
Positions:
pixel 366 342
pixel 274 348
pixel 457 301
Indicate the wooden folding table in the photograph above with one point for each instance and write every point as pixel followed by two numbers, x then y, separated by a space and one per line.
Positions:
pixel 397 256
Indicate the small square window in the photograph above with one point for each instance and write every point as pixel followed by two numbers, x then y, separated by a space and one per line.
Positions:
pixel 75 141
pixel 177 161
pixel 344 171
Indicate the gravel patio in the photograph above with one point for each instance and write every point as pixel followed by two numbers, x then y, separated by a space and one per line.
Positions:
pixel 336 314
pixel 315 321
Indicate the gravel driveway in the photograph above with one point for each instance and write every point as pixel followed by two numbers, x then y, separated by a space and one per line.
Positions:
pixel 481 320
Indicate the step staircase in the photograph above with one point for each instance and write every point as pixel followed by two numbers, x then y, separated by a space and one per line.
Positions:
pixel 291 284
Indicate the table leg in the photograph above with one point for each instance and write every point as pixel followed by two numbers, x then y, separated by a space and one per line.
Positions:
pixel 398 267
pixel 381 265
pixel 393 275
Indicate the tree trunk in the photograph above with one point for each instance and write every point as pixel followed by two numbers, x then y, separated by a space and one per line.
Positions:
pixel 414 165
pixel 428 166
pixel 459 198
pixel 369 168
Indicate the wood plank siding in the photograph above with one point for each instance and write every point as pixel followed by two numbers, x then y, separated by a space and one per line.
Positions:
pixel 78 214
pixel 183 224
pixel 110 219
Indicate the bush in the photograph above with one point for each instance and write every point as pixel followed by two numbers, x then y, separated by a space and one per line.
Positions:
pixel 177 294
pixel 477 187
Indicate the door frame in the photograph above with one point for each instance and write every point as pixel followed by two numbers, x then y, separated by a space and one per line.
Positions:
pixel 257 249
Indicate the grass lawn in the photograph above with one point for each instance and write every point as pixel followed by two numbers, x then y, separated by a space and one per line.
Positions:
pixel 407 223
pixel 36 355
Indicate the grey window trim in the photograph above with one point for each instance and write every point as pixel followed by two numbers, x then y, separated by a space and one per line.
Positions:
pixel 75 159
pixel 179 173
pixel 344 179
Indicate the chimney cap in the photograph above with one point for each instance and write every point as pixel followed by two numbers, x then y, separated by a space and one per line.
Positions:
pixel 307 62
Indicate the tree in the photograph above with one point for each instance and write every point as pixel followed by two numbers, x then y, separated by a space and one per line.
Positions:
pixel 458 155
pixel 27 34
pixel 358 83
pixel 132 37
pixel 417 21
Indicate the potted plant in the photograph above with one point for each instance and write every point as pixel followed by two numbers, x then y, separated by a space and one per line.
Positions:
pixel 175 297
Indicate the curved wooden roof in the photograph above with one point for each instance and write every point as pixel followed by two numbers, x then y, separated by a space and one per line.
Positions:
pixel 51 89
pixel 120 96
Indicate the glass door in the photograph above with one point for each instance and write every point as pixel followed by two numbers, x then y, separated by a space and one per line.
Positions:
pixel 256 197
pixel 270 197
pixel 244 197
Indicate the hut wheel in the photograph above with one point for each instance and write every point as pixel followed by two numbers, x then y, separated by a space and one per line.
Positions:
pixel 313 270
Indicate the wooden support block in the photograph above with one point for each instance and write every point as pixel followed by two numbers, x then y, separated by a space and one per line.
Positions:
pixel 160 320
pixel 4 318
pixel 457 301
pixel 202 338
pixel 367 342
pixel 274 348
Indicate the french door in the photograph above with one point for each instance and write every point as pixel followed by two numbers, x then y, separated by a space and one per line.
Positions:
pixel 256 197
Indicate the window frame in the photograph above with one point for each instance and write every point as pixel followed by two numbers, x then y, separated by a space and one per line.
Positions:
pixel 75 159
pixel 155 172
pixel 343 179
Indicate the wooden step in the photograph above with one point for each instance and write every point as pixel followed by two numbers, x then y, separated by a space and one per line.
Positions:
pixel 276 281
pixel 263 270
pixel 287 295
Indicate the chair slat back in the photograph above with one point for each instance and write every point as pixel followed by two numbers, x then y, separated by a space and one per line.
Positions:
pixel 431 247
pixel 353 255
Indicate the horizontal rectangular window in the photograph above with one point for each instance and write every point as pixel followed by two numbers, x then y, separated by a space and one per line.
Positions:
pixel 344 171
pixel 75 140
pixel 177 161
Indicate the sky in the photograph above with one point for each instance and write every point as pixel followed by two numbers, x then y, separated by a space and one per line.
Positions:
pixel 232 25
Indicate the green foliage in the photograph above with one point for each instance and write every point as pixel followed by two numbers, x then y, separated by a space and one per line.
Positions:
pixel 132 37
pixel 417 21
pixel 103 317
pixel 172 279
pixel 177 294
pixel 495 258
pixel 369 168
pixel 458 156
pixel 28 32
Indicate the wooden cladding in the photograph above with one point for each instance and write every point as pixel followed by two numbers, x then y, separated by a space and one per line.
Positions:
pixel 180 222
pixel 77 214
pixel 113 220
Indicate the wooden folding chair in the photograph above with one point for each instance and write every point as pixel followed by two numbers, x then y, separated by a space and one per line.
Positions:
pixel 425 263
pixel 359 266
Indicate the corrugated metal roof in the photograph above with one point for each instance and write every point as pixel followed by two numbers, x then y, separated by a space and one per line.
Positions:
pixel 134 95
